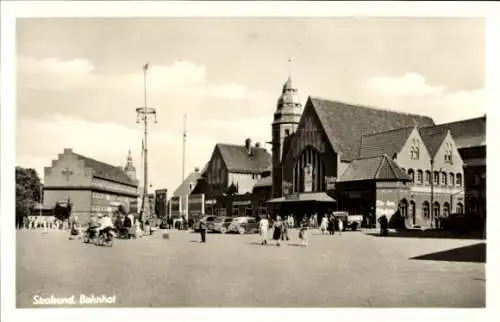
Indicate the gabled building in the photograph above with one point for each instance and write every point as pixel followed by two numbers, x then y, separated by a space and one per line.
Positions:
pixel 240 166
pixel 91 186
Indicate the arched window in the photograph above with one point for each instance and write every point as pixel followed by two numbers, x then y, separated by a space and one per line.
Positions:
pixel 452 179
pixel 460 208
pixel 436 178
pixel 316 182
pixel 411 173
pixel 446 209
pixel 435 209
pixel 425 209
pixel 403 208
pixel 459 179
pixel 420 176
pixel 427 177
pixel 444 179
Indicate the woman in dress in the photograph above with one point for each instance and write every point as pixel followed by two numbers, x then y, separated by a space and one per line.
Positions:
pixel 324 224
pixel 278 230
pixel 303 232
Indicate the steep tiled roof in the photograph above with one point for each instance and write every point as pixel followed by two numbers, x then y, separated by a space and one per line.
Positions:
pixel 106 171
pixel 344 124
pixel 433 139
pixel 264 182
pixel 237 159
pixel 387 142
pixel 465 133
pixel 381 168
pixel 183 189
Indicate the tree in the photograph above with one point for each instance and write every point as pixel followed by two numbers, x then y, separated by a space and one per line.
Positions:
pixel 28 186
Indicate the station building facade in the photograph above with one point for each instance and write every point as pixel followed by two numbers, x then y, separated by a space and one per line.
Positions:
pixel 91 186
pixel 372 161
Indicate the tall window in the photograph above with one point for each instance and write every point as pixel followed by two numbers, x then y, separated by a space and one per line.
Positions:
pixel 446 209
pixel 452 179
pixel 411 173
pixel 425 209
pixel 436 177
pixel 415 149
pixel 444 178
pixel 403 208
pixel 460 208
pixel 435 209
pixel 420 176
pixel 427 177
pixel 448 153
pixel 459 179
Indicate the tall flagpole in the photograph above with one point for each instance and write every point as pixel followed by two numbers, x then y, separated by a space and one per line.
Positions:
pixel 184 137
pixel 143 114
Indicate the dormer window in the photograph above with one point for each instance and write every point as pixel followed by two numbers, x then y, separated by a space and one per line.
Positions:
pixel 415 149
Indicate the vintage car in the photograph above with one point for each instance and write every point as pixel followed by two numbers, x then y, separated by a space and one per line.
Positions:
pixel 243 225
pixel 221 224
pixel 208 219
pixel 351 222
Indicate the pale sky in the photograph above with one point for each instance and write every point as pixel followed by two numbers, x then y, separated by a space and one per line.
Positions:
pixel 79 80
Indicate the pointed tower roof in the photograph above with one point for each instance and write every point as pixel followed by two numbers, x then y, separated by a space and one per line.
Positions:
pixel 130 165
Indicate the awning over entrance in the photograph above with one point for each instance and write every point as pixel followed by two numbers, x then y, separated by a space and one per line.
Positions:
pixel 303 197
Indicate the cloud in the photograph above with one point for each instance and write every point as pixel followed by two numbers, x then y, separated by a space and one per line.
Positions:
pixel 54 74
pixel 413 94
pixel 408 85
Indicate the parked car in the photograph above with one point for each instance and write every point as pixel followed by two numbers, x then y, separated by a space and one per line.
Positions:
pixel 351 222
pixel 243 225
pixel 208 219
pixel 221 224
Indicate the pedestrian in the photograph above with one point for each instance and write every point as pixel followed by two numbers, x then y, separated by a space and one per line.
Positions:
pixel 341 226
pixel 284 233
pixel 303 232
pixel 324 224
pixel 331 225
pixel 383 226
pixel 203 230
pixel 263 228
pixel 278 230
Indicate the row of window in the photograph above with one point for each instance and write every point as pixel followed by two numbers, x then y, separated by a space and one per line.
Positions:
pixel 439 178
pixel 112 185
pixel 104 196
pixel 408 209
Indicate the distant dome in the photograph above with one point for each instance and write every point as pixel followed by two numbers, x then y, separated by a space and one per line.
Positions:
pixel 289 97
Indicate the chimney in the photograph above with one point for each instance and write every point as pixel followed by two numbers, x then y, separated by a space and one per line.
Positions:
pixel 248 146
pixel 196 169
pixel 257 145
pixel 68 151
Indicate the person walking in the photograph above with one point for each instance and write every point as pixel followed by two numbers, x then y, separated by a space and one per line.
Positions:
pixel 284 233
pixel 263 228
pixel 331 225
pixel 324 224
pixel 278 230
pixel 340 225
pixel 203 230
pixel 303 232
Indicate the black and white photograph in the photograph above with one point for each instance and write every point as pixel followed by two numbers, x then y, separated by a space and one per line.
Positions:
pixel 231 161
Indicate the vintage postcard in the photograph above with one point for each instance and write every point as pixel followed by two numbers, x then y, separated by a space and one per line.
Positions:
pixel 232 161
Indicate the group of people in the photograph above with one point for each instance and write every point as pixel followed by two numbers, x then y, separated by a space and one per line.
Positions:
pixel 328 225
pixel 281 229
pixel 47 223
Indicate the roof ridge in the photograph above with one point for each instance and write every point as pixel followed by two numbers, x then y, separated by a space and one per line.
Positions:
pixel 381 162
pixel 94 160
pixel 461 121
pixel 366 158
pixel 368 107
pixel 387 131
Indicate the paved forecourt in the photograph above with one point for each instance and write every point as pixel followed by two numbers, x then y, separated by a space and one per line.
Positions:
pixel 350 270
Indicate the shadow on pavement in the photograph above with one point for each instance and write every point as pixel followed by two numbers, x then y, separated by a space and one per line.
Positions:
pixel 474 253
pixel 429 234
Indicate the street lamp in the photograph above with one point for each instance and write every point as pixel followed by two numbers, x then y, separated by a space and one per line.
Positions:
pixel 143 115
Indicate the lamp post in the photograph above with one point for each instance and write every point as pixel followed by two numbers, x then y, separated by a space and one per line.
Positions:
pixel 143 115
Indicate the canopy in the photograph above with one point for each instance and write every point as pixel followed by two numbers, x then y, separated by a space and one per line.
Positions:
pixel 303 197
